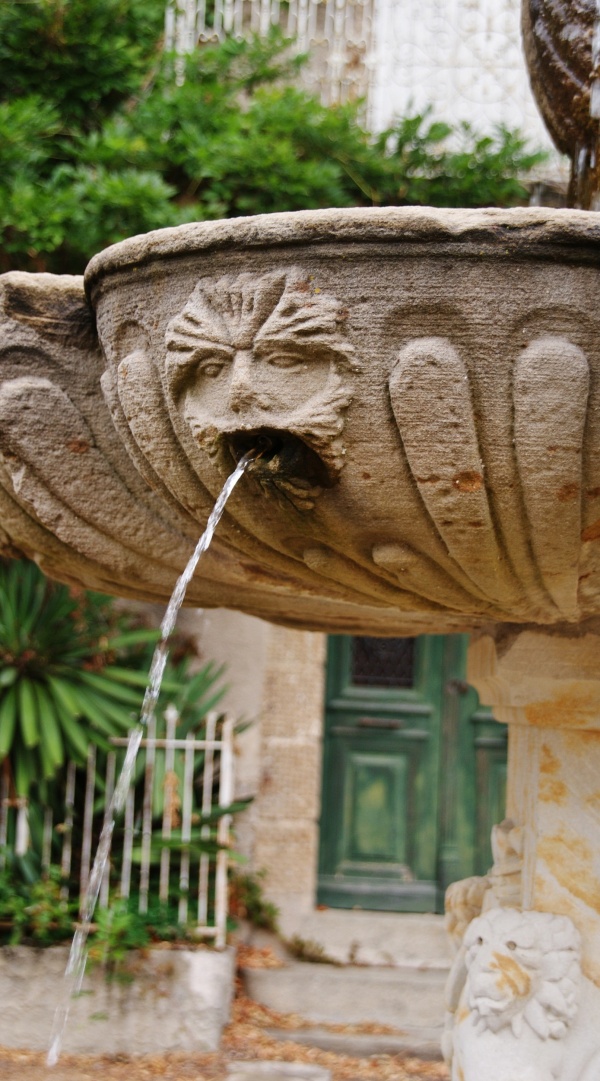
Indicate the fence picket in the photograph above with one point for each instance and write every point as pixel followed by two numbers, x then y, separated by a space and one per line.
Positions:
pixel 225 798
pixel 88 815
pixel 127 844
pixel 47 841
pixel 3 816
pixel 150 745
pixel 186 827
pixel 211 724
pixel 111 762
pixel 338 35
pixel 172 718
pixel 67 851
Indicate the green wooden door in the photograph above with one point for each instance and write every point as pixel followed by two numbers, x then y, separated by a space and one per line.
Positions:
pixel 413 774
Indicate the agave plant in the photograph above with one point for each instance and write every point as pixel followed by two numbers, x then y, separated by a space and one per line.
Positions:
pixel 63 679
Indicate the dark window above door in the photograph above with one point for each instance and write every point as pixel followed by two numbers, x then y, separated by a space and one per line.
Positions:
pixel 382 662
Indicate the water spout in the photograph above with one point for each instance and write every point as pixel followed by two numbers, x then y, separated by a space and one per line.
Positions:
pixel 75 969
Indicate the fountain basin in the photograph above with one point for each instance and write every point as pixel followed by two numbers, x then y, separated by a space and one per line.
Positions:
pixel 421 385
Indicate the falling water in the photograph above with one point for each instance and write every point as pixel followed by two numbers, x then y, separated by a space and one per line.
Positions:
pixel 77 956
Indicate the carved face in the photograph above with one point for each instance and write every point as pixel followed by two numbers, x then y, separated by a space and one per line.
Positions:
pixel 256 354
pixel 520 964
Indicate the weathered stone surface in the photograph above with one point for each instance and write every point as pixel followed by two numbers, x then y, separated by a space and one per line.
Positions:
pixel 177 999
pixel 425 383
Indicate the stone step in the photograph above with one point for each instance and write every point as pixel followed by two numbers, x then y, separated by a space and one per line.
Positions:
pixel 371 938
pixel 418 1042
pixel 352 994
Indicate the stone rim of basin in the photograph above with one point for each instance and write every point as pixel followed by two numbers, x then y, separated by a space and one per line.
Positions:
pixel 529 226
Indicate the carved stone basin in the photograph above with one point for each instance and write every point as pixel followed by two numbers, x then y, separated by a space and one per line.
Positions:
pixel 423 385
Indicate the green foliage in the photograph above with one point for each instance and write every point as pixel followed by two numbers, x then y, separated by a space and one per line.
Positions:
pixel 306 949
pixel 430 162
pixel 117 931
pixel 85 56
pixel 247 901
pixel 121 928
pixel 36 913
pixel 61 679
pixel 98 141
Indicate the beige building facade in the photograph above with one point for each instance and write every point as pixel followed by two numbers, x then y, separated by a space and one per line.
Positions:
pixel 276 682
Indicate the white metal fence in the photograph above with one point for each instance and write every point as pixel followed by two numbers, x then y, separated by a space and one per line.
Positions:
pixel 338 34
pixel 153 857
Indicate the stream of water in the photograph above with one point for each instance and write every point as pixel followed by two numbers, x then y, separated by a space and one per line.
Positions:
pixel 77 956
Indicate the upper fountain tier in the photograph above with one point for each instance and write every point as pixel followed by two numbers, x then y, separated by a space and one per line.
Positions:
pixel 424 386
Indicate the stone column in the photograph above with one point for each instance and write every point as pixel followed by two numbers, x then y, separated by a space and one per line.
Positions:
pixel 546 687
pixel 524 993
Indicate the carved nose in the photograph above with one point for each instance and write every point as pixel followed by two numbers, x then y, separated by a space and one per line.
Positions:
pixel 241 392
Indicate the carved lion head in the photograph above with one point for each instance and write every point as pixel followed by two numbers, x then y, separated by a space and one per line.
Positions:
pixel 523 967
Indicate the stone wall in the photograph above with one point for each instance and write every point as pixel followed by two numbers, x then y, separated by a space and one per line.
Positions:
pixel 276 682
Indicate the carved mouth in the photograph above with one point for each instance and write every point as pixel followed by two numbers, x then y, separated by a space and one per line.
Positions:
pixel 283 457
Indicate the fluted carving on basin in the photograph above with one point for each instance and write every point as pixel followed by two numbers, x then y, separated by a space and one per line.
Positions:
pixel 70 497
pixel 430 445
pixel 432 405
pixel 551 389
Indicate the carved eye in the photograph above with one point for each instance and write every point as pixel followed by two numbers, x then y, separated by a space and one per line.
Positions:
pixel 511 945
pixel 211 368
pixel 284 360
pixel 480 941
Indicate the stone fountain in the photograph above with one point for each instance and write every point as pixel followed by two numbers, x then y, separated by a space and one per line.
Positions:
pixel 424 388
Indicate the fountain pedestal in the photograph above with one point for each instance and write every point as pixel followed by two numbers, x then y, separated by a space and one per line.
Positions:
pixel 524 993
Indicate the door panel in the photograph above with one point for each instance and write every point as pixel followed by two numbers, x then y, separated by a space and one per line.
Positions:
pixel 376 809
pixel 414 774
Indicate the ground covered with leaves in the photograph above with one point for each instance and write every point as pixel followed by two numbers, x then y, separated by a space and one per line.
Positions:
pixel 246 1039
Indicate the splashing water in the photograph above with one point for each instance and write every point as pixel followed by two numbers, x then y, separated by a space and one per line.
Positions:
pixel 75 969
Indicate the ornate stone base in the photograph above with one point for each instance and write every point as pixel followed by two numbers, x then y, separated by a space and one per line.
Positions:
pixel 524 992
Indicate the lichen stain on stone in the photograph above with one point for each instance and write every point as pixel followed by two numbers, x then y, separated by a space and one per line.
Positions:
pixel 568 493
pixel 591 532
pixel 551 789
pixel 78 446
pixel 569 859
pixel 549 763
pixel 468 481
pixel 569 708
pixel 513 977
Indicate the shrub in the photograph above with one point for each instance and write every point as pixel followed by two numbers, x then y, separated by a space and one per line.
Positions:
pixel 113 146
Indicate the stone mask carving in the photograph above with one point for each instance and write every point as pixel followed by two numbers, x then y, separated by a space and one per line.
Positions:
pixel 252 357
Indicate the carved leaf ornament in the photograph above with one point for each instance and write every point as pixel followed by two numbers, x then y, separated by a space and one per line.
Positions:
pixel 423 387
